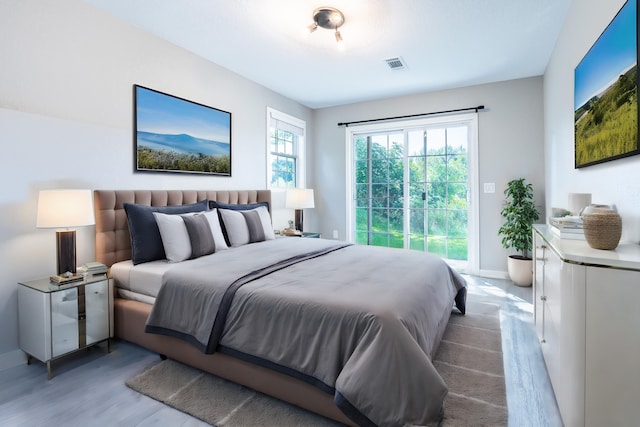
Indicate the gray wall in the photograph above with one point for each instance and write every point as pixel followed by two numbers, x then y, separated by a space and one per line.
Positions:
pixel 510 146
pixel 616 182
pixel 66 122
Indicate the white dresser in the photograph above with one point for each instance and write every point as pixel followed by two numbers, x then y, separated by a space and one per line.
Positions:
pixel 588 322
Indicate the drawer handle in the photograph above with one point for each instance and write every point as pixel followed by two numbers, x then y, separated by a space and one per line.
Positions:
pixel 543 298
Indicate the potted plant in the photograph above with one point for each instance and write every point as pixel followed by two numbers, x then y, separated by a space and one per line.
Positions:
pixel 519 213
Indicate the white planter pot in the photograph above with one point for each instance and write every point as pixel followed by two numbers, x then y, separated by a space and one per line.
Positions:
pixel 520 270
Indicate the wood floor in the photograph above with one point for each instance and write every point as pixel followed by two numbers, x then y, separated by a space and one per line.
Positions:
pixel 88 388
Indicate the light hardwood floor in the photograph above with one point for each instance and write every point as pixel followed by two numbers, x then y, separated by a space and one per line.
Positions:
pixel 88 388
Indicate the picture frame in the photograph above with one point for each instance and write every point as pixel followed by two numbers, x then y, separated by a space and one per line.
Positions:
pixel 172 134
pixel 606 93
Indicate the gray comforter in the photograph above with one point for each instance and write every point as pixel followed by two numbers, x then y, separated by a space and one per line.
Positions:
pixel 360 322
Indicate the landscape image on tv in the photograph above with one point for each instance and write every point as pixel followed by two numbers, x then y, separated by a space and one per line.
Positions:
pixel 606 93
pixel 176 135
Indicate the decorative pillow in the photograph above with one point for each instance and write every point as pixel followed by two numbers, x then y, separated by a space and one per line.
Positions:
pixel 175 237
pixel 239 207
pixel 216 229
pixel 256 230
pixel 178 240
pixel 235 227
pixel 200 236
pixel 146 242
pixel 247 226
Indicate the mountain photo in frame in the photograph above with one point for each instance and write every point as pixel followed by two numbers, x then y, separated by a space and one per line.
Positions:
pixel 606 93
pixel 172 134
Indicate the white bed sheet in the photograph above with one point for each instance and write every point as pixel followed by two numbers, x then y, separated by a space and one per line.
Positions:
pixel 125 294
pixel 144 279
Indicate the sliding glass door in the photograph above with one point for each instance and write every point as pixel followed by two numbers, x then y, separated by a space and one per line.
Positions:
pixel 379 186
pixel 411 187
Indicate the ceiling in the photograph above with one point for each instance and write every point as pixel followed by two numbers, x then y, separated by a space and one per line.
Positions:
pixel 443 43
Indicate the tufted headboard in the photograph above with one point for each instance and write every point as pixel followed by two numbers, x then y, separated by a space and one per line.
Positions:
pixel 113 243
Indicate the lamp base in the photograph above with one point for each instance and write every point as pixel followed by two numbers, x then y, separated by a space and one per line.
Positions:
pixel 66 249
pixel 298 219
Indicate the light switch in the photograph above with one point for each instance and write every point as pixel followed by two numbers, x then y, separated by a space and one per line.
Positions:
pixel 489 187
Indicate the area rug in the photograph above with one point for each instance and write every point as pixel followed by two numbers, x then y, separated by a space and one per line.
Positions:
pixel 469 359
pixel 470 362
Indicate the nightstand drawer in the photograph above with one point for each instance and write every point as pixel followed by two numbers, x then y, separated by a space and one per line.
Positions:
pixel 97 311
pixel 64 322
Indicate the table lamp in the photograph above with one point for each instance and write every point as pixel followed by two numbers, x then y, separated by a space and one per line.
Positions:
pixel 299 199
pixel 63 209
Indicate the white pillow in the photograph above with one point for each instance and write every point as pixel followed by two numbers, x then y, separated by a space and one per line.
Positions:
pixel 239 231
pixel 266 222
pixel 175 237
pixel 236 226
pixel 216 229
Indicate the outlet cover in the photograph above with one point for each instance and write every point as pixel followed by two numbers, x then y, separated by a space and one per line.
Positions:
pixel 489 187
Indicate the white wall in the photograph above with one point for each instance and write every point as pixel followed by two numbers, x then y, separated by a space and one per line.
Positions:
pixel 66 122
pixel 616 182
pixel 510 146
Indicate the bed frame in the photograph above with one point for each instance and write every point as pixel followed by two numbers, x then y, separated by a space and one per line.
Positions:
pixel 113 244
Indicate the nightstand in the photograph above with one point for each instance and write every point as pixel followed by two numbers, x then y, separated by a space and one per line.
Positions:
pixel 311 235
pixel 56 320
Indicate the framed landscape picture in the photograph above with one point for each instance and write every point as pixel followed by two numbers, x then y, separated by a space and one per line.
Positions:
pixel 606 93
pixel 172 134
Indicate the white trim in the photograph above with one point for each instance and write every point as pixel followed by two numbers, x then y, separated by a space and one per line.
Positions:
pixel 493 274
pixel 349 184
pixel 474 201
pixel 473 261
pixel 301 164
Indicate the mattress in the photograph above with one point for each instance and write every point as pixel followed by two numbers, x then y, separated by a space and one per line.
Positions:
pixel 142 279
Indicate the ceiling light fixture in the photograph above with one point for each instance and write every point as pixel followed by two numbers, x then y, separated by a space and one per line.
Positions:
pixel 329 18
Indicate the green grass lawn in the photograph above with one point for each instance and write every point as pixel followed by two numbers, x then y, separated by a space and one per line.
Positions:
pixel 450 248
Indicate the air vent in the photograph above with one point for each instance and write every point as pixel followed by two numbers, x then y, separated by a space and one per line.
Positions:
pixel 396 63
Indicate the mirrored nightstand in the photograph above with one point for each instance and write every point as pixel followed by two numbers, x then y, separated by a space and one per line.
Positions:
pixel 56 320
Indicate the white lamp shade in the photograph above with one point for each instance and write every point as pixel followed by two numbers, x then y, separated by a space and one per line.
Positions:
pixel 299 198
pixel 65 208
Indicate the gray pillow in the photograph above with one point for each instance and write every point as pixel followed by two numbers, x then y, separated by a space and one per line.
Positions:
pixel 200 235
pixel 256 231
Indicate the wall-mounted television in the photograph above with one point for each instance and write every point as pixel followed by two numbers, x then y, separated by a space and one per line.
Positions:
pixel 606 93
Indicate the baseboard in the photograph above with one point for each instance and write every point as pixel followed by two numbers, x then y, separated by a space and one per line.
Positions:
pixel 12 359
pixel 494 274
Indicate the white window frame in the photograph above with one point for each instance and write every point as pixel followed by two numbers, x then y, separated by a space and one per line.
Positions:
pixel 300 148
pixel 473 260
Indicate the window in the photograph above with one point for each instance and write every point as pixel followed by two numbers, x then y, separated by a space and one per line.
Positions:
pixel 411 186
pixel 285 150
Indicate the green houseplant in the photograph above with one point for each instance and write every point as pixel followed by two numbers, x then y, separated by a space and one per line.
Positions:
pixel 519 213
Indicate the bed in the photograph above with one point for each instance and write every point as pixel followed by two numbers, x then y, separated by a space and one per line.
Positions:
pixel 308 321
